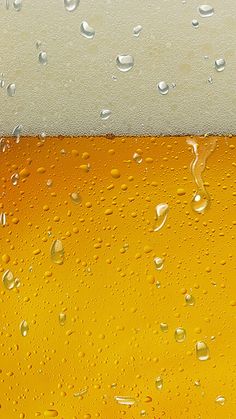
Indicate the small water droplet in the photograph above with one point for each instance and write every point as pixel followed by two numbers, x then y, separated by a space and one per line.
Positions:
pixel 180 334
pixel 205 10
pixel 86 30
pixel 197 383
pixel 57 252
pixel 38 44
pixel 195 23
pixel 75 198
pixel 220 64
pixel 17 282
pixel 105 114
pixel 24 328
pixel 43 58
pixel 189 299
pixel 161 215
pixel 137 30
pixel 137 158
pixel 82 392
pixel 2 83
pixel 62 319
pixel 158 284
pixel 202 351
pixel 164 327
pixel 11 89
pixel 124 62
pixel 17 132
pixel 159 383
pixel 125 400
pixel 3 219
pixel 17 4
pixel 210 80
pixel 49 183
pixel 8 280
pixel 159 263
pixel 14 179
pixel 220 400
pixel 143 413
pixel 71 5
pixel 163 88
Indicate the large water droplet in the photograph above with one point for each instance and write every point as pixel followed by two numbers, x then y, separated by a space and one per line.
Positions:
pixel 161 215
pixel 43 58
pixel 124 62
pixel 180 334
pixel 17 4
pixel 105 114
pixel 75 198
pixel 17 132
pixel 137 158
pixel 14 179
pixel 62 319
pixel 189 299
pixel 200 202
pixel 125 400
pixel 159 263
pixel 137 30
pixel 205 10
pixel 159 383
pixel 71 5
pixel 220 400
pixel 202 351
pixel 86 30
pixel 220 64
pixel 8 280
pixel 163 88
pixel 11 89
pixel 164 327
pixel 24 328
pixel 57 252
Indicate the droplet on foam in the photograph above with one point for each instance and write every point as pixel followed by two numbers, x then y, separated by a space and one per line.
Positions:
pixel 86 30
pixel 124 62
pixel 71 5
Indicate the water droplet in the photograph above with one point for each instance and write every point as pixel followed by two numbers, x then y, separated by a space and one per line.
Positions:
pixel 17 4
pixel 210 80
pixel 86 30
pixel 57 252
pixel 197 383
pixel 2 83
pixel 189 299
pixel 75 198
pixel 3 219
pixel 202 351
pixel 49 183
pixel 62 319
pixel 220 400
pixel 159 263
pixel 71 5
pixel 43 58
pixel 195 23
pixel 38 44
pixel 7 4
pixel 137 30
pixel 158 284
pixel 24 328
pixel 124 62
pixel 105 114
pixel 125 400
pixel 8 280
pixel 163 88
pixel 205 10
pixel 11 89
pixel 17 282
pixel 143 413
pixel 220 64
pixel 159 383
pixel 17 132
pixel 200 202
pixel 161 215
pixel 137 158
pixel 180 334
pixel 14 179
pixel 164 327
pixel 82 392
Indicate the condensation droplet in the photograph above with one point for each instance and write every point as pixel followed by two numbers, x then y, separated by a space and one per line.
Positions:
pixel 11 89
pixel 62 319
pixel 17 4
pixel 220 400
pixel 8 280
pixel 75 198
pixel 24 328
pixel 3 219
pixel 210 80
pixel 161 215
pixel 137 30
pixel 57 252
pixel 82 392
pixel 195 23
pixel 163 88
pixel 159 383
pixel 220 64
pixel 14 179
pixel 143 413
pixel 189 299
pixel 43 58
pixel 205 10
pixel 124 62
pixel 164 327
pixel 17 132
pixel 159 263
pixel 105 114
pixel 180 334
pixel 202 351
pixel 71 5
pixel 125 400
pixel 49 183
pixel 197 383
pixel 86 30
pixel 137 158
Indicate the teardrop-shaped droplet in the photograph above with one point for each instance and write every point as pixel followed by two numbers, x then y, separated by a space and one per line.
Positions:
pixel 71 5
pixel 137 30
pixel 164 327
pixel 220 64
pixel 57 252
pixel 195 23
pixel 189 299
pixel 62 319
pixel 75 198
pixel 205 10
pixel 24 328
pixel 15 179
pixel 159 383
pixel 105 114
pixel 17 4
pixel 200 202
pixel 86 30
pixel 11 89
pixel 220 400
pixel 3 219
pixel 43 58
pixel 125 400
pixel 17 132
pixel 8 280
pixel 161 215
pixel 202 351
pixel 180 334
pixel 163 88
pixel 159 263
pixel 137 158
pixel 124 62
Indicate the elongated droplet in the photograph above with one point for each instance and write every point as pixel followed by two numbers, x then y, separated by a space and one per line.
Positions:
pixel 220 64
pixel 17 4
pixel 57 252
pixel 189 299
pixel 17 132
pixel 7 4
pixel 14 179
pixel 220 400
pixel 82 392
pixel 24 328
pixel 75 198
pixel 86 30
pixel 137 30
pixel 205 10
pixel 163 88
pixel 159 263
pixel 202 351
pixel 71 5
pixel 164 327
pixel 180 334
pixel 43 58
pixel 3 219
pixel 159 383
pixel 161 215
pixel 125 400
pixel 105 114
pixel 8 280
pixel 62 319
pixel 50 413
pixel 137 158
pixel 11 89
pixel 124 62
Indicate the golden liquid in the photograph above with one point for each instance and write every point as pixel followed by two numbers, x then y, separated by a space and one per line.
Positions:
pixel 93 312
